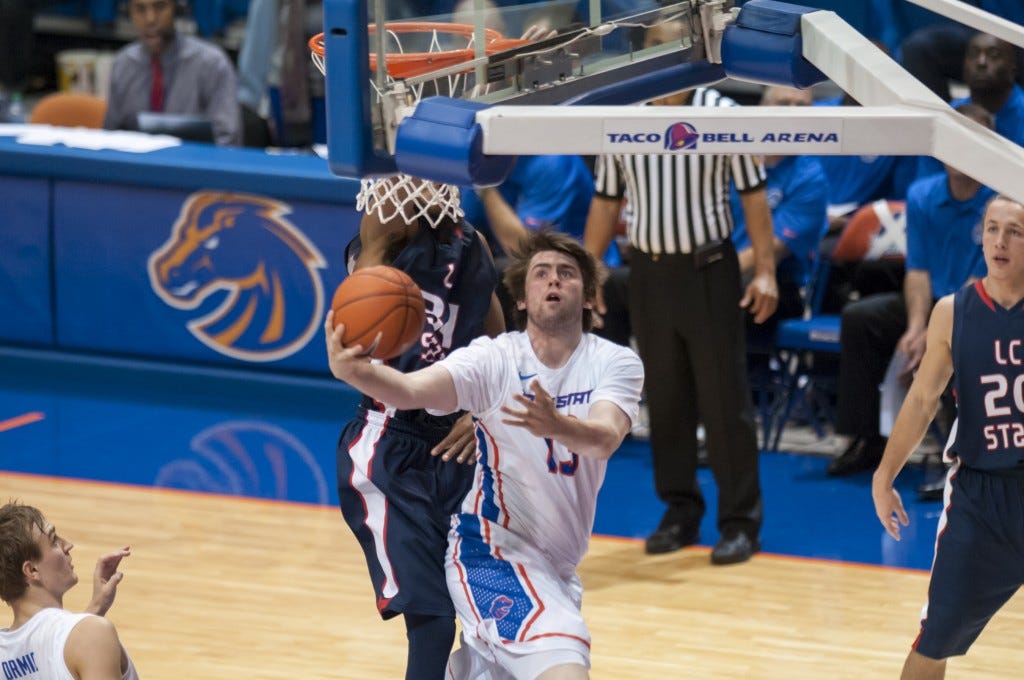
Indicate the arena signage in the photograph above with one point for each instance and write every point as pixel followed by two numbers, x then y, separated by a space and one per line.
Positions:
pixel 728 136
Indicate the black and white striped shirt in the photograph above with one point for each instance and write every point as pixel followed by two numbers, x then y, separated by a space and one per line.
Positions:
pixel 676 202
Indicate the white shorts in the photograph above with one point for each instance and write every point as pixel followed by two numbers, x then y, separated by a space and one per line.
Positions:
pixel 518 615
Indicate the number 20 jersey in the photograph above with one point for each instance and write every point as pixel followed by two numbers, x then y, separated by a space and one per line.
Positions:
pixel 988 365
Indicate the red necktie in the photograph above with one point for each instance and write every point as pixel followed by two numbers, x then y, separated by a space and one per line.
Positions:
pixel 156 91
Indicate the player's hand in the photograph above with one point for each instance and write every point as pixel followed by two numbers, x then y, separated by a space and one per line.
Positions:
pixel 912 344
pixel 539 415
pixel 888 507
pixel 536 32
pixel 761 297
pixel 341 359
pixel 460 443
pixel 104 581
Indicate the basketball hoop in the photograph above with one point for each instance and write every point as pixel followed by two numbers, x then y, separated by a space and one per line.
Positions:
pixel 403 196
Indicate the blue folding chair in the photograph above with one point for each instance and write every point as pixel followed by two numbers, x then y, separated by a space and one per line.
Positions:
pixel 797 341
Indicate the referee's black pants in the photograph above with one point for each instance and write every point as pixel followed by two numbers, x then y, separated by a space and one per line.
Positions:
pixel 690 332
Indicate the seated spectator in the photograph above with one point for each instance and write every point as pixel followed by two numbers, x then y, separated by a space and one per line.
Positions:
pixel 164 71
pixel 934 54
pixel 797 197
pixel 990 69
pixel 943 253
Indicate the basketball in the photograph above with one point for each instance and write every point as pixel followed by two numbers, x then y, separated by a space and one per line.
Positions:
pixel 383 300
pixel 875 231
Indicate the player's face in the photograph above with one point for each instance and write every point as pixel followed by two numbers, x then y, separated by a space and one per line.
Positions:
pixel 554 291
pixel 989 64
pixel 154 23
pixel 55 569
pixel 1003 240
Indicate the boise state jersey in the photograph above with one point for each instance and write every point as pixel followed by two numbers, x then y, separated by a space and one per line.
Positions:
pixel 988 365
pixel 36 649
pixel 536 489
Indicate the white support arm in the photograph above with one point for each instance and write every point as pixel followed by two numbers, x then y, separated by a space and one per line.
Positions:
pixel 899 116
pixel 986 22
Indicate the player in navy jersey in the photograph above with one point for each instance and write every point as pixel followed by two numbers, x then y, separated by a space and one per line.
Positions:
pixel 976 335
pixel 398 484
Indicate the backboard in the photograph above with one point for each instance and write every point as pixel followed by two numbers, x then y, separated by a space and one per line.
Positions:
pixel 489 51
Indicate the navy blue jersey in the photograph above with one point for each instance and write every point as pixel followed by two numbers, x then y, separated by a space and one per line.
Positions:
pixel 988 366
pixel 453 269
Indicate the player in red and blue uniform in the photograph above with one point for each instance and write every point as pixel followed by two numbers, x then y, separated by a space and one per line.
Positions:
pixel 976 335
pixel 397 484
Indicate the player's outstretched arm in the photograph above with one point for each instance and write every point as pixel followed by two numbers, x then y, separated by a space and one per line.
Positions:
pixel 105 579
pixel 430 387
pixel 917 412
pixel 93 650
pixel 596 436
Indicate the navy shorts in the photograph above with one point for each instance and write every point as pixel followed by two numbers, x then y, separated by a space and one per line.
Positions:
pixel 398 501
pixel 978 560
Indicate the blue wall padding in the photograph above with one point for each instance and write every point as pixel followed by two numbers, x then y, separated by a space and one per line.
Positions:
pixel 442 141
pixel 765 45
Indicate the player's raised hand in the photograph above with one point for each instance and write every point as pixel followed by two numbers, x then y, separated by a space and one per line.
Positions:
pixel 105 579
pixel 341 359
pixel 539 415
pixel 459 443
pixel 889 507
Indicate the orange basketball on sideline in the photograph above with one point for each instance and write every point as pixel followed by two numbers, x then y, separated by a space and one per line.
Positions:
pixel 383 300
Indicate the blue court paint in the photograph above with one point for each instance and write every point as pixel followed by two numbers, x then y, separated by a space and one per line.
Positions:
pixel 229 433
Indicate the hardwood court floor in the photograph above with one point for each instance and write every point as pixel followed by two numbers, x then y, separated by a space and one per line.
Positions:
pixel 227 587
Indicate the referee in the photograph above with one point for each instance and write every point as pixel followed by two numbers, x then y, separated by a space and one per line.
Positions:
pixel 685 303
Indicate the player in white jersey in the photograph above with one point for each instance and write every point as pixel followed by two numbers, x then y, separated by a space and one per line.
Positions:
pixel 45 641
pixel 552 403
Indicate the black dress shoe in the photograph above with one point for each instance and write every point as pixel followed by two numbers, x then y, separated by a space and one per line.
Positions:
pixel 671 536
pixel 863 454
pixel 735 548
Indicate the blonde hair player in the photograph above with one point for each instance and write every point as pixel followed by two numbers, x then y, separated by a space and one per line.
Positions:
pixel 45 640
pixel 974 336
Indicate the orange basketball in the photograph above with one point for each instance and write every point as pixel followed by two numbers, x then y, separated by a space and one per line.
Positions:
pixel 381 300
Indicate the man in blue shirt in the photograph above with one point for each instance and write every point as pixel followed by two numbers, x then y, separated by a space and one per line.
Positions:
pixel 943 253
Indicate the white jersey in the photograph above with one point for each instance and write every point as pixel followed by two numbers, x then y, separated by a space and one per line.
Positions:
pixel 525 525
pixel 36 649
pixel 535 488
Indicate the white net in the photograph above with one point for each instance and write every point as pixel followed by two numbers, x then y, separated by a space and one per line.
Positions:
pixel 402 196
pixel 410 199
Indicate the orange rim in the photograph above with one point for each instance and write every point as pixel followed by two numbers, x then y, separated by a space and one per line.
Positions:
pixel 409 64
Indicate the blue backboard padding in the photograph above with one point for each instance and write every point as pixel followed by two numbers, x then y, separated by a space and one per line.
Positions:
pixel 106 302
pixel 346 45
pixel 25 290
pixel 772 17
pixel 749 54
pixel 446 145
pixel 652 85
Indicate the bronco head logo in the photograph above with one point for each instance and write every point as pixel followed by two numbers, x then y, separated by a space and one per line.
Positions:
pixel 501 605
pixel 266 270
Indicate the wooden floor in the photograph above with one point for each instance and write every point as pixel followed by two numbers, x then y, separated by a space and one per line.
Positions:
pixel 221 587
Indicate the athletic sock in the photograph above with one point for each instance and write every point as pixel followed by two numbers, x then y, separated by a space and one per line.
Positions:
pixel 430 641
